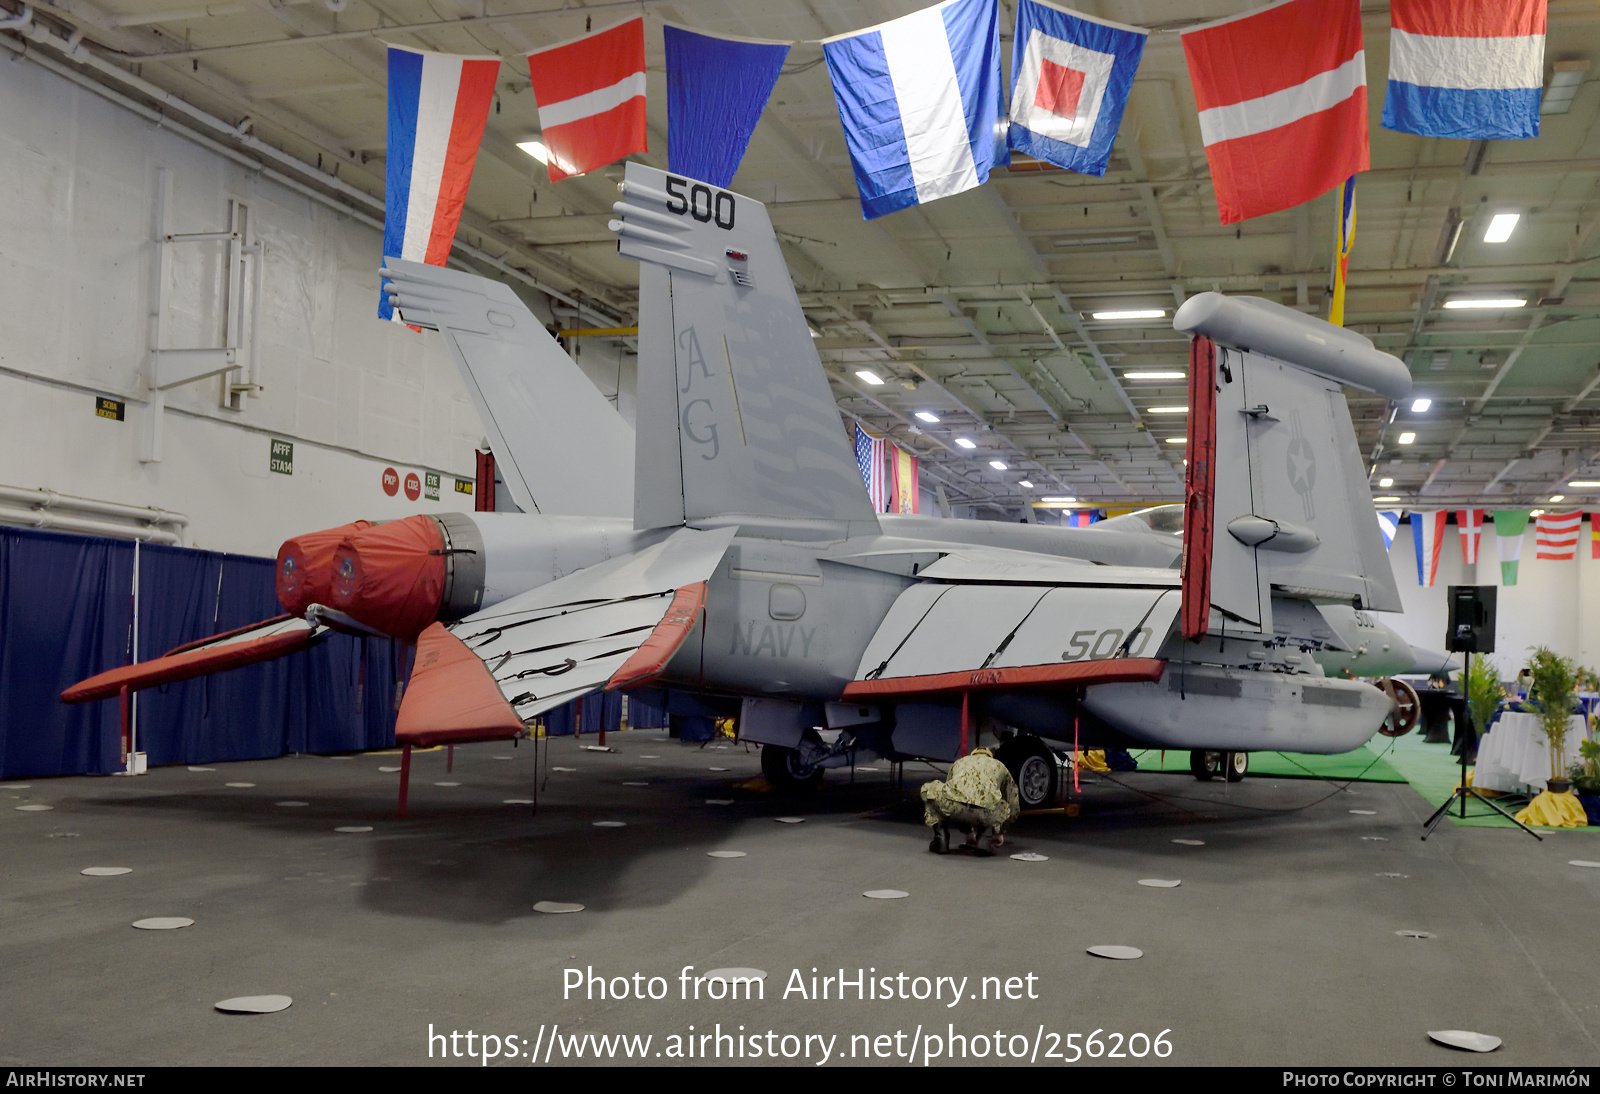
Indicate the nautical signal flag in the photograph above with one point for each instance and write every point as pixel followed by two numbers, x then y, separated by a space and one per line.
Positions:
pixel 1344 240
pixel 1469 522
pixel 1282 93
pixel 1388 521
pixel 1465 68
pixel 1427 537
pixel 921 103
pixel 1070 78
pixel 716 88
pixel 591 99
pixel 438 105
pixel 1594 535
pixel 1509 524
pixel 1556 536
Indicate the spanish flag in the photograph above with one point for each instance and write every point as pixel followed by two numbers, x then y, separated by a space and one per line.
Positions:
pixel 1344 237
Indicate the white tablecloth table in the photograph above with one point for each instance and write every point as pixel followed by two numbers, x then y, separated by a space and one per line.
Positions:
pixel 1514 755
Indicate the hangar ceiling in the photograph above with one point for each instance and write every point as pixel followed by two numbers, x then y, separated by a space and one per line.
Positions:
pixel 977 309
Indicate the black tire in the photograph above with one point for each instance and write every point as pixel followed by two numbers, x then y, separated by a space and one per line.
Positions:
pixel 1204 765
pixel 1236 764
pixel 1033 769
pixel 783 769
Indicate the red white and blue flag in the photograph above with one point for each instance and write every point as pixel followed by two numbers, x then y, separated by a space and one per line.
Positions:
pixel 1070 78
pixel 1465 68
pixel 438 105
pixel 872 457
pixel 1427 538
pixel 591 99
pixel 1469 522
pixel 1282 93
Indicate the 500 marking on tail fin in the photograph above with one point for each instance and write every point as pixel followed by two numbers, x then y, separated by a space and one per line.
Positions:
pixel 706 207
pixel 1099 645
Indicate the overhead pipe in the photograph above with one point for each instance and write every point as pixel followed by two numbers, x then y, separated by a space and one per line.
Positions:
pixel 49 499
pixel 19 20
pixel 40 518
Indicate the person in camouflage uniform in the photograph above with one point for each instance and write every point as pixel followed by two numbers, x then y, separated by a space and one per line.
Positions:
pixel 979 796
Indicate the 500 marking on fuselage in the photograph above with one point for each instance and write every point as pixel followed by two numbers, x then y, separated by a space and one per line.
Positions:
pixel 1097 645
pixel 700 202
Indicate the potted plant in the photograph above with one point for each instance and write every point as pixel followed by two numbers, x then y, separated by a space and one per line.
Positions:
pixel 1484 692
pixel 1586 779
pixel 1552 696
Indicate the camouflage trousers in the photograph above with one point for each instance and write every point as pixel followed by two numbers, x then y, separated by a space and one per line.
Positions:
pixel 939 808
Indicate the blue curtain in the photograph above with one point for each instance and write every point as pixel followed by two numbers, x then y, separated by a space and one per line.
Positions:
pixel 65 614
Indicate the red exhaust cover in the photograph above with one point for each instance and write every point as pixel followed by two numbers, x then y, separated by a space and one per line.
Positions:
pixel 306 567
pixel 391 576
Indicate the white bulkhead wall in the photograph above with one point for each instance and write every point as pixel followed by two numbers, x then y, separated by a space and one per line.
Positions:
pixel 355 395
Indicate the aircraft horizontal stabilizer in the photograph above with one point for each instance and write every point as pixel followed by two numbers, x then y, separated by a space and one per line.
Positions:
pixel 262 641
pixel 611 625
pixel 451 696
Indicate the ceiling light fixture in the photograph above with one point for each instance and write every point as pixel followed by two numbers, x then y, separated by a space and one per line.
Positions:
pixel 1484 302
pixel 966 443
pixel 1177 440
pixel 1563 87
pixel 998 465
pixel 1500 227
pixel 1155 375
pixel 925 416
pixel 1059 502
pixel 1584 484
pixel 869 376
pixel 1384 484
pixel 1136 313
pixel 1557 497
pixel 1420 406
pixel 1386 499
pixel 1407 438
pixel 1536 512
pixel 1168 410
pixel 1025 484
pixel 536 149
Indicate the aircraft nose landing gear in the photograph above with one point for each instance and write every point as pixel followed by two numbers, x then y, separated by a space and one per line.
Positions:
pixel 1208 765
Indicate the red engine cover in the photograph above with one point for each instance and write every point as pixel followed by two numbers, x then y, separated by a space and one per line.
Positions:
pixel 306 567
pixel 391 576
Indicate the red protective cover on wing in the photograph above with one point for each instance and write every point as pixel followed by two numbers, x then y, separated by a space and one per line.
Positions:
pixel 391 576
pixel 1200 488
pixel 186 662
pixel 306 568
pixel 451 696
pixel 1120 670
pixel 652 656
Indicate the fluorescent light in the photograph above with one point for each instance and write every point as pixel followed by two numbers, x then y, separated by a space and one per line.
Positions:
pixel 1386 499
pixel 1536 512
pixel 1025 484
pixel 1484 302
pixel 869 376
pixel 1384 484
pixel 1155 375
pixel 1420 406
pixel 925 416
pixel 1500 227
pixel 1557 497
pixel 998 465
pixel 965 443
pixel 1177 440
pixel 1168 410
pixel 536 149
pixel 816 334
pixel 1407 438
pixel 1138 313
pixel 1059 501
pixel 1584 484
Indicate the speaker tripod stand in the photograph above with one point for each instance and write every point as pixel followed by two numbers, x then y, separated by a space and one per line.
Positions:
pixel 1462 791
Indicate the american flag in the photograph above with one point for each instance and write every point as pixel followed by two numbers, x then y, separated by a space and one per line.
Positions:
pixel 872 458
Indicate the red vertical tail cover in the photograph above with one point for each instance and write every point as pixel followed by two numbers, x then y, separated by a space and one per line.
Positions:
pixel 391 576
pixel 1200 483
pixel 306 567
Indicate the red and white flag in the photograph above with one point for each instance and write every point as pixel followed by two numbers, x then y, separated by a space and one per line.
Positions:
pixel 1556 537
pixel 1282 93
pixel 591 99
pixel 1469 522
pixel 1594 535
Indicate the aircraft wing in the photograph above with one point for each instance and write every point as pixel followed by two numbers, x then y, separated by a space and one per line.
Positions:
pixel 950 638
pixel 262 641
pixel 612 625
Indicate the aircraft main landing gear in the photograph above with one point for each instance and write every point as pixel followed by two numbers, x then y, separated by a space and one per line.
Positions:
pixel 794 768
pixel 1208 765
pixel 1033 768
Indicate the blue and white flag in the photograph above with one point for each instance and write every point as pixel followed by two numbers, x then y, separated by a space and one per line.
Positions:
pixel 1465 68
pixel 716 88
pixel 1070 78
pixel 1388 521
pixel 920 98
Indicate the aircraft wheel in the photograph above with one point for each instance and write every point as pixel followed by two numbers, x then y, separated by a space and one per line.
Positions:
pixel 786 769
pixel 1236 764
pixel 1407 708
pixel 1033 768
pixel 1205 765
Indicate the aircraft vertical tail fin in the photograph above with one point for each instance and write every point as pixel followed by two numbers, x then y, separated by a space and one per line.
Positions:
pixel 561 446
pixel 1301 522
pixel 735 415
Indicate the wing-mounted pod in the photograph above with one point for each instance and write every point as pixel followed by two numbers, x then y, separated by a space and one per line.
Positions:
pixel 1277 488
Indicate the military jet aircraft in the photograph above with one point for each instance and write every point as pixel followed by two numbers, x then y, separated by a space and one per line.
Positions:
pixel 752 577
